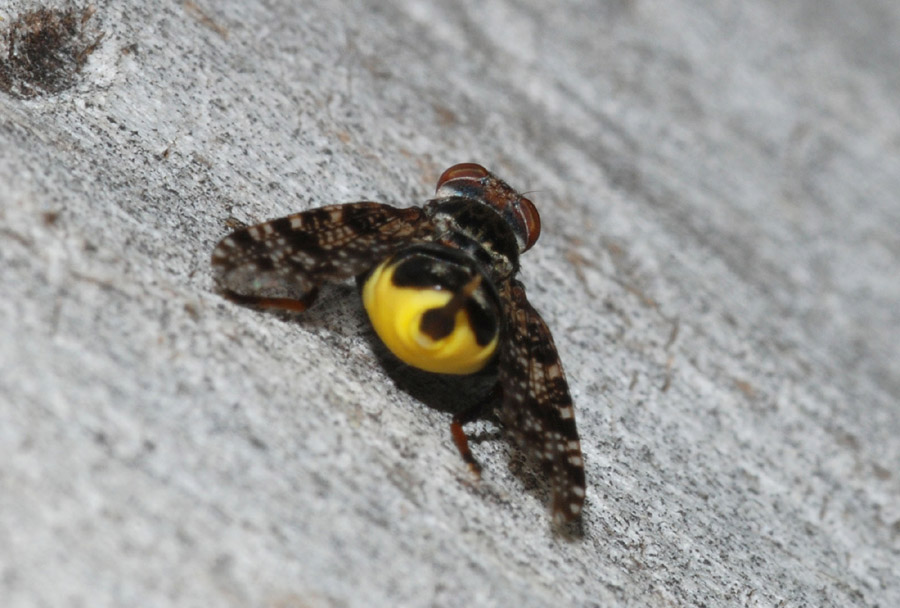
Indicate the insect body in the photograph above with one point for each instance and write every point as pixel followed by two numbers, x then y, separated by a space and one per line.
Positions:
pixel 441 293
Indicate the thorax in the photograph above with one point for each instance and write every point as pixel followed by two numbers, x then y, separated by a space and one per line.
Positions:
pixel 476 229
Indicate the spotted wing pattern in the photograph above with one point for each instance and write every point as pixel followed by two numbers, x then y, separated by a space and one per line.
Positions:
pixel 280 263
pixel 537 408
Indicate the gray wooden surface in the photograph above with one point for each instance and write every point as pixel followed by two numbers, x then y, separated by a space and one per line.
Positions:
pixel 720 189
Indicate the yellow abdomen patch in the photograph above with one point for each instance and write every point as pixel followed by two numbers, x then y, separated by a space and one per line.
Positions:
pixel 396 314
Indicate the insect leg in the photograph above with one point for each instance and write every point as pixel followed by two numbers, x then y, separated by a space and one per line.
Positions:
pixel 469 414
pixel 288 304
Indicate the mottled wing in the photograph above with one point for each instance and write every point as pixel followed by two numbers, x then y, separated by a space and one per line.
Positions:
pixel 537 408
pixel 283 261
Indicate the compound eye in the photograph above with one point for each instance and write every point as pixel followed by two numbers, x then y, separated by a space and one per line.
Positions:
pixel 467 171
pixel 532 221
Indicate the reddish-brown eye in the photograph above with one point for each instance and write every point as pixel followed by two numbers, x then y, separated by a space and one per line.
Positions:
pixel 462 171
pixel 532 220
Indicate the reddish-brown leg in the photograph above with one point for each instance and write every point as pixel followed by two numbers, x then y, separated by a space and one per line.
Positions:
pixel 288 304
pixel 468 415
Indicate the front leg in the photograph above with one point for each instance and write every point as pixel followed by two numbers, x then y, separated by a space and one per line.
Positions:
pixel 267 303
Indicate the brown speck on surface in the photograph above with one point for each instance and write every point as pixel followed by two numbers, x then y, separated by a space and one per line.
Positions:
pixel 881 473
pixel 204 19
pixel 42 52
pixel 673 335
pixel 745 387
pixel 234 223
pixel 444 115
pixel 667 383
pixel 50 217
